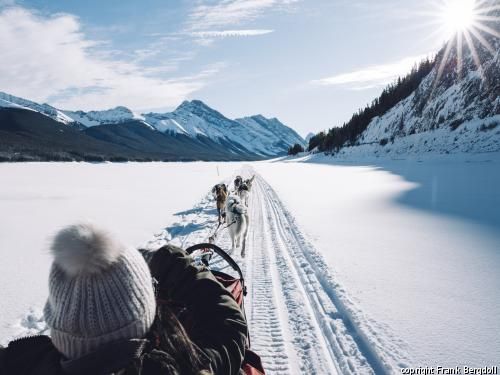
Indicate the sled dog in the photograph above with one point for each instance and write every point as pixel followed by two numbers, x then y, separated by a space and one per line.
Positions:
pixel 237 183
pixel 237 220
pixel 249 182
pixel 244 193
pixel 220 194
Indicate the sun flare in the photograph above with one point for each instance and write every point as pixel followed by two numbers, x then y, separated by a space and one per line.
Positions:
pixel 466 26
pixel 459 15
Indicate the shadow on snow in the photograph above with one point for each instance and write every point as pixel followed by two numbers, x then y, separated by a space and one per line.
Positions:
pixel 467 190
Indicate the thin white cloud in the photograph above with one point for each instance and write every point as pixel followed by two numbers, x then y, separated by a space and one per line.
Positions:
pixel 230 33
pixel 372 76
pixel 49 58
pixel 231 12
pixel 207 38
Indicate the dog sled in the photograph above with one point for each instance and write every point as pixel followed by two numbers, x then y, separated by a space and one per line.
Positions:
pixel 234 282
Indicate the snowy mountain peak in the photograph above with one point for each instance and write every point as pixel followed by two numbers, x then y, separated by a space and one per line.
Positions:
pixel 7 100
pixel 258 117
pixel 193 104
pixel 309 136
pixel 200 109
pixel 109 116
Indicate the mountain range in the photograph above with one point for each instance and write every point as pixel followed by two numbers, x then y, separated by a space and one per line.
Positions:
pixel 193 131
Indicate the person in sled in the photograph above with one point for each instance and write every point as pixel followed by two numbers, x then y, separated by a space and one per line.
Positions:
pixel 106 316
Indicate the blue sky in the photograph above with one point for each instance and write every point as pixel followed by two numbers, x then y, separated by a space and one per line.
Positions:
pixel 311 63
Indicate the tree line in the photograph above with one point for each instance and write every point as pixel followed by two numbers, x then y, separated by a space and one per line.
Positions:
pixel 348 133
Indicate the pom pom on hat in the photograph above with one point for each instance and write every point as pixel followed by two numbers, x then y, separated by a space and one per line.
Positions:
pixel 85 249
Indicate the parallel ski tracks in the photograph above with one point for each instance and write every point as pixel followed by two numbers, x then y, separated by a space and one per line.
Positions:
pixel 336 345
pixel 267 323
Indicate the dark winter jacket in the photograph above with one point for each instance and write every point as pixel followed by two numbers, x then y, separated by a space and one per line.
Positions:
pixel 217 327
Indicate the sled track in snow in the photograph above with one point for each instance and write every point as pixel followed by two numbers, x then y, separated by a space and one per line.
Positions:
pixel 314 315
pixel 300 320
pixel 262 313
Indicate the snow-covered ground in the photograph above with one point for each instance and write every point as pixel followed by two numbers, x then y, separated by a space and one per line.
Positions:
pixel 414 244
pixel 351 268
pixel 133 199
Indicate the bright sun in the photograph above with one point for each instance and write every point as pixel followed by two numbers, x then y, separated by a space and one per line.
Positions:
pixel 459 15
pixel 466 24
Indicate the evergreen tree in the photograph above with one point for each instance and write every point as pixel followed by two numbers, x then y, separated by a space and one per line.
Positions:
pixel 295 149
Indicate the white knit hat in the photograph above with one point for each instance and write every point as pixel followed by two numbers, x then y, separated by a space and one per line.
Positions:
pixel 99 291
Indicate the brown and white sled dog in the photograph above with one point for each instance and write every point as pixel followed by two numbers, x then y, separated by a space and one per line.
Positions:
pixel 237 221
pixel 220 194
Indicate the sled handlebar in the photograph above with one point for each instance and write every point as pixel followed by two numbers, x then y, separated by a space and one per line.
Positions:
pixel 220 252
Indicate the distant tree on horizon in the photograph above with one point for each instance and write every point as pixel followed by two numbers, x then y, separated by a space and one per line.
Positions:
pixel 295 149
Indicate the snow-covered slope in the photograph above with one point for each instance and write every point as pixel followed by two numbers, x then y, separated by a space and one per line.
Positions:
pixel 455 111
pixel 109 116
pixel 278 135
pixel 11 101
pixel 191 118
pixel 7 104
